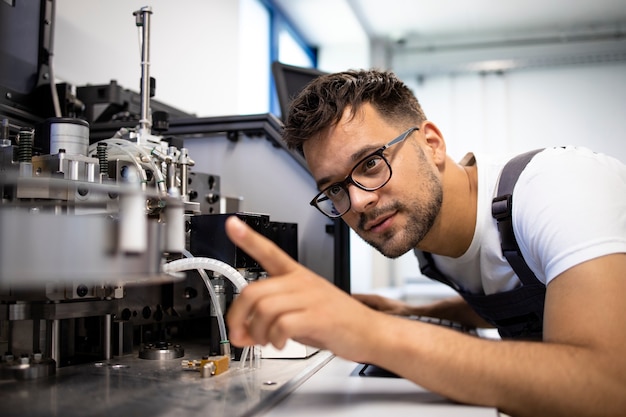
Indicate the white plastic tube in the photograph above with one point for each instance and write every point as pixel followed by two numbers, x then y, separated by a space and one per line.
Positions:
pixel 202 264
pixel 207 263
pixel 216 302
pixel 128 148
pixel 216 305
pixel 244 357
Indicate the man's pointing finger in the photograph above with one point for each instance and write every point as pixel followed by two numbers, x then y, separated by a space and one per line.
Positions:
pixel 273 260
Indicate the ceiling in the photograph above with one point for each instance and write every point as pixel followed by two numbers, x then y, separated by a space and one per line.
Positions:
pixel 329 21
pixel 409 29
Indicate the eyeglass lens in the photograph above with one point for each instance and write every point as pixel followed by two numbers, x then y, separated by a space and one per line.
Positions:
pixel 370 174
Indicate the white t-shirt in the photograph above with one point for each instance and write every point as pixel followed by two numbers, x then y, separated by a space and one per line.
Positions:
pixel 569 206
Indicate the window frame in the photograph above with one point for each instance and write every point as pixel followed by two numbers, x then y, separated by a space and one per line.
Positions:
pixel 280 22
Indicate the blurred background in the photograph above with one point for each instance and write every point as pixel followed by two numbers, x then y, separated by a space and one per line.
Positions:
pixel 494 76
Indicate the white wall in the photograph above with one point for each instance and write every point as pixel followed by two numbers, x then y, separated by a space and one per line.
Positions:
pixel 194 49
pixel 340 57
pixel 520 110
pixel 580 105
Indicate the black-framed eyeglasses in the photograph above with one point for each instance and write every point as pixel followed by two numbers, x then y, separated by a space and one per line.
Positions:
pixel 369 174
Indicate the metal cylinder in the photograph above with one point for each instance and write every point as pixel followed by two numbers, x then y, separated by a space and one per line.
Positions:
pixel 207 370
pixel 73 169
pixel 90 172
pixel 171 167
pixel 108 325
pixel 133 223
pixel 4 133
pixel 175 224
pixel 69 134
pixel 220 291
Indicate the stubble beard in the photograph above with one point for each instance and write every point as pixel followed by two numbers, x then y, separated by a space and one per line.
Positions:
pixel 420 215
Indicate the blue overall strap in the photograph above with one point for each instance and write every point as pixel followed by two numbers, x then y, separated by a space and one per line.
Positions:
pixel 502 210
pixel 429 269
pixel 517 313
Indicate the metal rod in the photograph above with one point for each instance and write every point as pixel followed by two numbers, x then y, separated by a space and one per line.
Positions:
pixel 107 336
pixel 142 19
pixel 55 348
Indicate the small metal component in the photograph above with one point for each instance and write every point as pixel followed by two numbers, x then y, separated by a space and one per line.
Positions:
pixel 171 167
pixel 26 367
pixel 213 364
pixel 4 133
pixel 269 383
pixel 225 347
pixel 111 365
pixel 161 351
pixel 184 162
pixel 207 370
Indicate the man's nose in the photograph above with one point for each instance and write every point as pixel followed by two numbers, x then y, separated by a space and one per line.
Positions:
pixel 361 199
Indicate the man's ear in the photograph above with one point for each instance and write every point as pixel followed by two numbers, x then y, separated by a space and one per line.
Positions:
pixel 434 141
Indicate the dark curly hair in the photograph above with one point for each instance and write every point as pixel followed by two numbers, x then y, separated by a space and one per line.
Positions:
pixel 322 103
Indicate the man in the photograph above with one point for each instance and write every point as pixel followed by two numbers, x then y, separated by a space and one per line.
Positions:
pixel 400 194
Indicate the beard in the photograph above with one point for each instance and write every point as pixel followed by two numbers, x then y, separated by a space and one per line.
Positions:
pixel 420 214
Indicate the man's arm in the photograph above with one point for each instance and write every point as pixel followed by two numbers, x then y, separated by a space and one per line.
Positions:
pixel 579 370
pixel 455 309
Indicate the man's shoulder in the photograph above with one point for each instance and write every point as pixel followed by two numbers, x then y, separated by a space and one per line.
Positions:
pixel 557 159
pixel 566 203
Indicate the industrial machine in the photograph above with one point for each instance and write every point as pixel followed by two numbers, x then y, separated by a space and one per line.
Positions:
pixel 112 245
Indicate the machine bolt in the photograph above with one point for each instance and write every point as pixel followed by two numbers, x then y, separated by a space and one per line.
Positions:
pixel 82 290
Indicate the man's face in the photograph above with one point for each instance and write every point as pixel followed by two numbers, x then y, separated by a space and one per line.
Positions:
pixel 396 217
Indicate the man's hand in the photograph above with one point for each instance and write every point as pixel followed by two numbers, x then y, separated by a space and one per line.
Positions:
pixel 294 303
pixel 384 305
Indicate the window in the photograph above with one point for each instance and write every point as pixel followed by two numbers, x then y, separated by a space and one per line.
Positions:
pixel 254 58
pixel 291 49
pixel 283 43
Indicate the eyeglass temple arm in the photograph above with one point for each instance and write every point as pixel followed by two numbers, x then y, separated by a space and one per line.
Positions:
pixel 400 138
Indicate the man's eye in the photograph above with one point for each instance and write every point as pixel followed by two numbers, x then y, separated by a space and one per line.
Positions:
pixel 371 164
pixel 333 191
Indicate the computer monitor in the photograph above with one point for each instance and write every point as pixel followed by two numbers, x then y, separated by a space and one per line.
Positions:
pixel 26 30
pixel 289 81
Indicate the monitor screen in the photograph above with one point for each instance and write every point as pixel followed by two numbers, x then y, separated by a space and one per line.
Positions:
pixel 23 36
pixel 290 80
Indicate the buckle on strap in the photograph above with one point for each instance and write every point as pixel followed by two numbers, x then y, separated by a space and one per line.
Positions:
pixel 501 207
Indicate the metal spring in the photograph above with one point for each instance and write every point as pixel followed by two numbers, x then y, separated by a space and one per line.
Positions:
pixel 103 160
pixel 25 145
